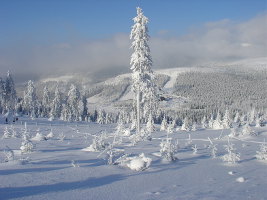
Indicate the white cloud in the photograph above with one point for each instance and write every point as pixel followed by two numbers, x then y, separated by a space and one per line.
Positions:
pixel 215 41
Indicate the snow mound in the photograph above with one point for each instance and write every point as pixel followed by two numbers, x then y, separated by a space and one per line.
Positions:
pixel 38 137
pixel 136 163
pixel 240 179
pixel 50 135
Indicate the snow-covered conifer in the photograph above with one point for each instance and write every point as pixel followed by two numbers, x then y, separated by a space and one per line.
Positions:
pixel 72 104
pixel 83 110
pixel 194 126
pixel 150 127
pixel 217 124
pixel 30 100
pixel 56 106
pixel 46 102
pixel 164 124
pixel 142 76
pixel 227 122
pixel 204 122
pixel 9 94
pixel 211 121
pixel 101 117
pixel 186 126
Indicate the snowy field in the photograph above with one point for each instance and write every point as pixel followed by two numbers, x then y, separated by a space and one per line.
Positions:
pixel 60 168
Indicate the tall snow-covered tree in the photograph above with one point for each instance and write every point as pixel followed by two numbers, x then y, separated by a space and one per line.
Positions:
pixel 9 94
pixel 72 106
pixel 30 100
pixel 143 78
pixel 83 110
pixel 56 106
pixel 227 121
pixel 46 102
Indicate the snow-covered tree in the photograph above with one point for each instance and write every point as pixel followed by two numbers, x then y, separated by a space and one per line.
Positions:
pixel 227 122
pixel 164 124
pixel 204 122
pixel 217 123
pixel 56 106
pixel 83 110
pixel 101 117
pixel 30 100
pixel 211 121
pixel 186 126
pixel 72 105
pixel 142 76
pixel 46 102
pixel 9 94
pixel 150 127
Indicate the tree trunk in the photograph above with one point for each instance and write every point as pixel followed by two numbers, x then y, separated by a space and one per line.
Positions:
pixel 138 111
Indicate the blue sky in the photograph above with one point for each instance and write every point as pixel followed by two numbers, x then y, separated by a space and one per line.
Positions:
pixel 60 20
pixel 31 29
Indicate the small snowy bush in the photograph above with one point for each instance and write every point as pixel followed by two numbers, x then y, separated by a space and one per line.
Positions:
pixel 262 154
pixel 9 154
pixel 7 133
pixel 231 157
pixel 26 146
pixel 99 143
pixel 213 149
pixel 168 150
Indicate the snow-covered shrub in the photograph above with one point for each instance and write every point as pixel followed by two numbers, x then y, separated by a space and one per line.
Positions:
pixel 195 149
pixel 61 137
pixel 99 143
pixel 9 154
pixel 137 163
pixel 262 154
pixel 233 132
pixel 213 149
pixel 231 157
pixel 259 122
pixel 168 149
pixel 248 131
pixel 26 146
pixel 14 132
pixel 7 133
pixel 189 141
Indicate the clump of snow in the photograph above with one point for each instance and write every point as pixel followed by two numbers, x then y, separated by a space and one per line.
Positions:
pixel 137 163
pixel 50 135
pixel 38 137
pixel 240 179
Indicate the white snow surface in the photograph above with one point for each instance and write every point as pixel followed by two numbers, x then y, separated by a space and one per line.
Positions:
pixel 50 171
